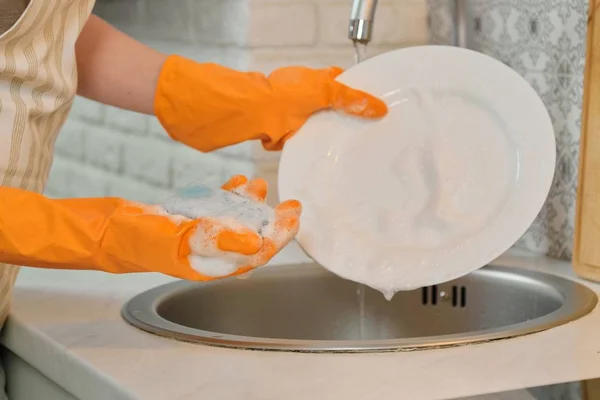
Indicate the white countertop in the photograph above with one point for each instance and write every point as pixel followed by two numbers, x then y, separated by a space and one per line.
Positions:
pixel 67 324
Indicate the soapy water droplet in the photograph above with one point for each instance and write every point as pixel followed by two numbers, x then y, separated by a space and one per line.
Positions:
pixel 388 294
pixel 358 107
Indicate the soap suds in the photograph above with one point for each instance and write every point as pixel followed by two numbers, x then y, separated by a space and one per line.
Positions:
pixel 446 177
pixel 229 210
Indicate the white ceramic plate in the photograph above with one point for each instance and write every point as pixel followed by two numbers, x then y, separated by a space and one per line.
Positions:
pixel 444 184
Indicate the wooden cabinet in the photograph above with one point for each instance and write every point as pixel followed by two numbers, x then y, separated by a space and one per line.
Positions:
pixel 586 249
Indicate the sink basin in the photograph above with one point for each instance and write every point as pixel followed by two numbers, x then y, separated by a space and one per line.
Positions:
pixel 306 308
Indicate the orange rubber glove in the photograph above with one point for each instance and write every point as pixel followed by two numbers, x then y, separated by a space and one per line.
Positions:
pixel 119 236
pixel 207 106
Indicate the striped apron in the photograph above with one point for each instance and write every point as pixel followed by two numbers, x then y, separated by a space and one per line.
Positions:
pixel 38 80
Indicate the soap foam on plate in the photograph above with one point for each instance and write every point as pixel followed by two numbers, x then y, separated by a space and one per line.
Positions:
pixel 445 178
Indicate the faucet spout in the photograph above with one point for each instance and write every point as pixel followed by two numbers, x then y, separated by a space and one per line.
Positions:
pixel 361 20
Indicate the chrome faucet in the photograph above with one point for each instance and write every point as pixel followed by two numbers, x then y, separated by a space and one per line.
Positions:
pixel 361 20
pixel 363 15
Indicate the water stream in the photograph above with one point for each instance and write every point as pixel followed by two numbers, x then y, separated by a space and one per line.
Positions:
pixel 360 54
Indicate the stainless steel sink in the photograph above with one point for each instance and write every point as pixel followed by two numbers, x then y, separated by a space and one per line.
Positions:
pixel 305 308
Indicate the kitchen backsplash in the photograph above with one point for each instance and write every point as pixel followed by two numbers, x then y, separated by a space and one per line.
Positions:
pixel 543 40
pixel 106 151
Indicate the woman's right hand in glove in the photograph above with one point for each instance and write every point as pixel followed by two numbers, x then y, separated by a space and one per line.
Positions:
pixel 200 234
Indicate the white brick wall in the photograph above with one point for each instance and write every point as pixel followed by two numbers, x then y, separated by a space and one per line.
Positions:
pixel 103 151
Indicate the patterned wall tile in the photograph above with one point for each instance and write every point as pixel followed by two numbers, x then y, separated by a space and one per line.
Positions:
pixel 440 19
pixel 543 40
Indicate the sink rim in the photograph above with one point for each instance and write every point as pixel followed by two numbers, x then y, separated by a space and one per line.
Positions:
pixel 141 312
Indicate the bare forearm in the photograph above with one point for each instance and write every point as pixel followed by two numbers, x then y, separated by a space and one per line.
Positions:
pixel 115 69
